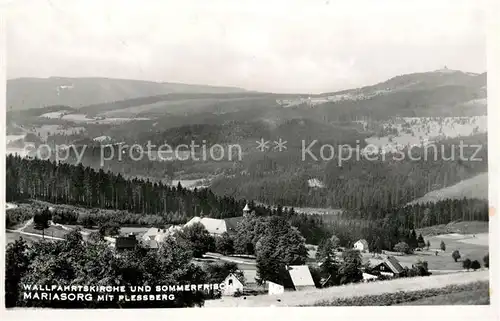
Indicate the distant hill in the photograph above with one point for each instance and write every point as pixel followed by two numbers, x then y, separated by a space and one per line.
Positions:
pixel 27 93
pixel 437 93
pixel 475 187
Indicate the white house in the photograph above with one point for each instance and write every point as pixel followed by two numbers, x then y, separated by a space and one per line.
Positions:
pixel 274 288
pixel 213 226
pixel 250 276
pixel 154 236
pixel 361 245
pixel 216 227
pixel 369 277
pixel 232 285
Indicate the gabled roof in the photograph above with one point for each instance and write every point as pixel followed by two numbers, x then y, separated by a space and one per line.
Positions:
pixel 367 276
pixel 214 226
pixel 393 264
pixel 195 219
pixel 152 233
pixel 375 262
pixel 125 242
pixel 300 275
pixel 250 276
pixel 246 208
pixel 152 244
pixel 390 261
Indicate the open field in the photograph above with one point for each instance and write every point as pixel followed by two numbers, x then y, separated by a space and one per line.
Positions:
pixel 54 231
pixel 475 187
pixel 312 297
pixel 478 296
pixel 11 237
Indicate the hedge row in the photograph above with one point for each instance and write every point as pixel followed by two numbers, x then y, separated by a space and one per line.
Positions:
pixel 402 296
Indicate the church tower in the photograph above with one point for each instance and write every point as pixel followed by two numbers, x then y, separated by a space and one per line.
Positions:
pixel 246 210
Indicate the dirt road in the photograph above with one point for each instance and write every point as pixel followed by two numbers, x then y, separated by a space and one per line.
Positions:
pixel 310 297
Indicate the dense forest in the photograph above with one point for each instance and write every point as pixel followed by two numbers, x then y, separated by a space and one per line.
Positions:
pixel 141 202
pixel 79 185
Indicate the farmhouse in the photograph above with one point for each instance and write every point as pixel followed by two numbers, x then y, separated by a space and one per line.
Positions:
pixel 274 288
pixel 232 284
pixel 388 266
pixel 217 227
pixel 361 245
pixel 301 277
pixel 250 276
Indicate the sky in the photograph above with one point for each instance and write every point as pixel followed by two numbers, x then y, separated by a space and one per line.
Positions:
pixel 275 46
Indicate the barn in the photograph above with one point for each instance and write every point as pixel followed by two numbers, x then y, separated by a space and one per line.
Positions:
pixel 232 284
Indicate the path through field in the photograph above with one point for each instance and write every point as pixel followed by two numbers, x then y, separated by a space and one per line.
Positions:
pixel 310 297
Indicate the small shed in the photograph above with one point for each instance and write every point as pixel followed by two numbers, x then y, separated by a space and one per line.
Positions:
pixel 301 277
pixel 232 285
pixel 126 242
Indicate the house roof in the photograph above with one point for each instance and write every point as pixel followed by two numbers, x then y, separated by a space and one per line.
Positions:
pixel 125 242
pixel 375 262
pixel 152 244
pixel 213 226
pixel 232 223
pixel 246 208
pixel 231 275
pixel 195 219
pixel 300 275
pixel 250 276
pixel 391 262
pixel 152 233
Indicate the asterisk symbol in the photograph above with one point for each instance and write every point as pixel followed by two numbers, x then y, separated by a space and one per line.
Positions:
pixel 262 145
pixel 280 145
